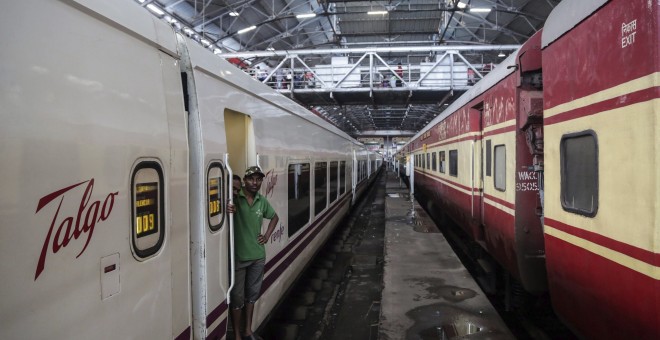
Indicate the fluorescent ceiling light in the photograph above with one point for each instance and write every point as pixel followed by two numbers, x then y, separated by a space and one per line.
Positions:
pixel 205 42
pixel 217 51
pixel 270 49
pixel 501 55
pixel 247 29
pixel 480 10
pixel 155 9
pixel 306 15
pixel 461 5
pixel 376 12
pixel 233 14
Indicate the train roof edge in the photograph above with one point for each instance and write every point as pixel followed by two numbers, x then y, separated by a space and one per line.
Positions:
pixel 567 14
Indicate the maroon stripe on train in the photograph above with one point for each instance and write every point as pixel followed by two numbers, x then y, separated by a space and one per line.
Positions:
pixel 500 201
pixel 313 230
pixel 215 314
pixel 316 225
pixel 623 248
pixel 474 191
pixel 605 105
pixel 500 130
pixel 184 335
pixel 294 254
pixel 294 243
pixel 220 331
pixel 445 181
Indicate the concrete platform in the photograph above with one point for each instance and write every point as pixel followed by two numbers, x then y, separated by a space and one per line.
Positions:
pixel 428 293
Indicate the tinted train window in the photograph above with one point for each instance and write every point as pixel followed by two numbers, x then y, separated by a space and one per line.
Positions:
pixel 423 161
pixel 320 186
pixel 342 177
pixel 428 161
pixel 488 158
pixel 215 195
pixel 364 169
pixel 359 171
pixel 334 167
pixel 579 173
pixel 500 167
pixel 453 162
pixel 148 209
pixel 434 161
pixel 299 200
pixel 442 162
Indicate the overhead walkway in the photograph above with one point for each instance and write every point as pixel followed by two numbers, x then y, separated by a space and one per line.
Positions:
pixel 367 78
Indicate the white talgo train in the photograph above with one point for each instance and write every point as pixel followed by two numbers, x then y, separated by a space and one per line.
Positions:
pixel 117 142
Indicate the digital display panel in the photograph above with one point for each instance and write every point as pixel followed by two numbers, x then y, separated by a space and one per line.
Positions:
pixel 146 209
pixel 215 206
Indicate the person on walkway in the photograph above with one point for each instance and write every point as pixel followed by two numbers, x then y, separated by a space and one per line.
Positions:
pixel 399 73
pixel 250 208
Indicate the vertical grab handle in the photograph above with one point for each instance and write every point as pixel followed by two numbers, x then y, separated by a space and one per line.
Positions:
pixel 231 233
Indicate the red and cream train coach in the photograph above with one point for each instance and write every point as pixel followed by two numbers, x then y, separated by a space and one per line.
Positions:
pixel 476 164
pixel 558 179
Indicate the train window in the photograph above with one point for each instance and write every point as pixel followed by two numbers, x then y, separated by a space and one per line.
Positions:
pixel 148 209
pixel 320 186
pixel 428 160
pixel 500 167
pixel 488 157
pixel 423 161
pixel 359 171
pixel 215 189
pixel 442 161
pixel 334 167
pixel 299 200
pixel 342 177
pixel 579 173
pixel 453 162
pixel 434 161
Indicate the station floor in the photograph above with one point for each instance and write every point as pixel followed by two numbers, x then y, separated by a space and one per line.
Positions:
pixel 387 274
pixel 427 292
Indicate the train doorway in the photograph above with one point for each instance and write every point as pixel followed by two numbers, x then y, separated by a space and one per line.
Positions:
pixel 240 141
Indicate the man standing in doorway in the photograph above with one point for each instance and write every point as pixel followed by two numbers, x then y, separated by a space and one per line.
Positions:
pixel 250 209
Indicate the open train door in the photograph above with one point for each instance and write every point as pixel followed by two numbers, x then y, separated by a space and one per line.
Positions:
pixel 240 141
pixel 529 168
pixel 219 141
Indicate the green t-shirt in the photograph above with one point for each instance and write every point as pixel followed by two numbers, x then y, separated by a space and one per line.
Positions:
pixel 247 226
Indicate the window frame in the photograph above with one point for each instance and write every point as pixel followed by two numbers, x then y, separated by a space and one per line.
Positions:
pixel 292 228
pixel 318 211
pixel 495 167
pixel 453 165
pixel 442 159
pixel 563 173
pixel 434 161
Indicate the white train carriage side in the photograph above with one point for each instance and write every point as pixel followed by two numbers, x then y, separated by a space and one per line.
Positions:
pixel 115 176
pixel 308 180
